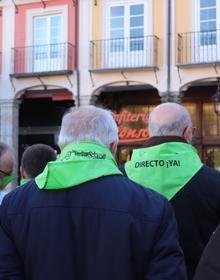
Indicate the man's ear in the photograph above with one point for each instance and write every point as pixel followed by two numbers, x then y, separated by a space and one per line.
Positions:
pixel 113 148
pixel 23 173
pixel 187 134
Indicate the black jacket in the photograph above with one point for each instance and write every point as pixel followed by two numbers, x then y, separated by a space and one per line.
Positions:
pixel 197 208
pixel 208 267
pixel 106 229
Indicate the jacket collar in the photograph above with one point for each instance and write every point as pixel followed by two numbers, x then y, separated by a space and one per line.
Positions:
pixel 157 140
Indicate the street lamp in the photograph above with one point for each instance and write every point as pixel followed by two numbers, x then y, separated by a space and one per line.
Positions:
pixel 216 100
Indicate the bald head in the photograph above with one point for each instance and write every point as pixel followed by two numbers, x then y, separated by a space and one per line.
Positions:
pixel 170 119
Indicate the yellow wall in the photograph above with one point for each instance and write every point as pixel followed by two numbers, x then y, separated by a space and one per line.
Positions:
pixel 182 16
pixel 182 24
pixel 158 28
pixel 96 21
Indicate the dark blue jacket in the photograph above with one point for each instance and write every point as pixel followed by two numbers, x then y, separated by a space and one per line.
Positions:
pixel 208 267
pixel 106 229
pixel 197 210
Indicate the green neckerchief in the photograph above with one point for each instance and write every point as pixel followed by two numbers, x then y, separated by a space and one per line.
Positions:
pixel 24 181
pixel 8 179
pixel 77 164
pixel 165 168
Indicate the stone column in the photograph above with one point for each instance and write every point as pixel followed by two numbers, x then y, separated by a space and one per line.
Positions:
pixel 175 97
pixel 85 100
pixel 9 123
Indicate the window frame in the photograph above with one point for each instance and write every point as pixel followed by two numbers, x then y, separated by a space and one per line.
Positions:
pixel 107 4
pixel 41 12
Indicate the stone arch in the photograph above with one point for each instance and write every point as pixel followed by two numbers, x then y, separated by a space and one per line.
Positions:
pixel 123 84
pixel 199 82
pixel 20 93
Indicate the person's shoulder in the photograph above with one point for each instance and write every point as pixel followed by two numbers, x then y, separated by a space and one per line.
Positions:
pixel 19 194
pixel 205 183
pixel 211 170
pixel 209 173
pixel 145 201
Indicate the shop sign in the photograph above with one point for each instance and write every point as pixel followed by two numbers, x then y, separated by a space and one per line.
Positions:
pixel 132 127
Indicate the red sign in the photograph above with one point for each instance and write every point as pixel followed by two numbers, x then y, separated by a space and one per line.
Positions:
pixel 127 122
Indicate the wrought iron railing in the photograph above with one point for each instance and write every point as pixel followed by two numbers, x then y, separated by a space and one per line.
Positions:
pixel 198 47
pixel 132 52
pixel 43 58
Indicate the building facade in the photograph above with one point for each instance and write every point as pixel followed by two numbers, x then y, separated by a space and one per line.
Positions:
pixel 125 55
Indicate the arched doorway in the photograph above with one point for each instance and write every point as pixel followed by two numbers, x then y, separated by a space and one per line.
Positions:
pixel 131 105
pixel 40 116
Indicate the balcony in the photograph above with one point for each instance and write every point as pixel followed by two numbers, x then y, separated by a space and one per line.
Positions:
pixel 124 53
pixel 198 48
pixel 43 60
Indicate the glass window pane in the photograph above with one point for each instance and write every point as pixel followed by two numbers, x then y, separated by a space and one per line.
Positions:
pixel 55 29
pixel 118 33
pixel 207 3
pixel 40 22
pixel 55 32
pixel 137 32
pixel 40 31
pixel 55 40
pixel 208 14
pixel 117 45
pixel 56 21
pixel 136 21
pixel 207 26
pixel 55 51
pixel 117 22
pixel 137 9
pixel 208 38
pixel 137 44
pixel 117 11
pixel 41 52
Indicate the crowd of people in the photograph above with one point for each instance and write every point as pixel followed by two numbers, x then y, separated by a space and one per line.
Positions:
pixel 79 215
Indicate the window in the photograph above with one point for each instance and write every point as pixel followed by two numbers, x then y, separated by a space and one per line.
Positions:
pixel 117 28
pixel 137 27
pixel 127 27
pixel 208 22
pixel 127 41
pixel 47 36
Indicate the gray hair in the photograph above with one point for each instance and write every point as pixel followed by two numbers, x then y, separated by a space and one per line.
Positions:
pixel 4 148
pixel 88 123
pixel 168 119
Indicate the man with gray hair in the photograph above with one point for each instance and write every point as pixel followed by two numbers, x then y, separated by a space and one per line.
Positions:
pixel 81 219
pixel 169 164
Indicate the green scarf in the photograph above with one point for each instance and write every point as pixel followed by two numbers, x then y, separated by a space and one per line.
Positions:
pixel 8 179
pixel 77 164
pixel 165 168
pixel 24 181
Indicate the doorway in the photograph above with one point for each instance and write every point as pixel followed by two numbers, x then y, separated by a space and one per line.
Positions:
pixel 40 120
